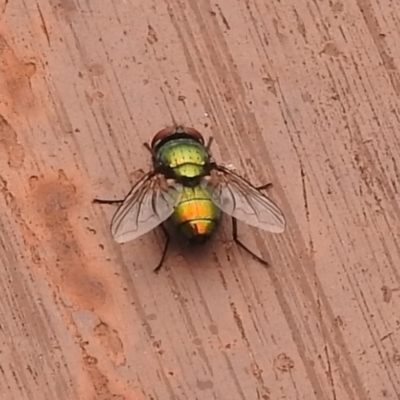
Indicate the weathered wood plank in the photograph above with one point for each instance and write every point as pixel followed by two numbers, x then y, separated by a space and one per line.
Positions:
pixel 302 94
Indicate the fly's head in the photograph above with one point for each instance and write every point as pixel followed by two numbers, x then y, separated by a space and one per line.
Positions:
pixel 180 151
pixel 179 132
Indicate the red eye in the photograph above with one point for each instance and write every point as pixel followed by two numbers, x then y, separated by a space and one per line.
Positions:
pixel 195 134
pixel 162 135
pixel 176 130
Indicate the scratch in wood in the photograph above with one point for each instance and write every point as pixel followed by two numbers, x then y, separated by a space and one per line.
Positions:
pixel 329 373
pixel 239 322
pixel 4 7
pixel 43 26
pixel 303 182
pixel 386 336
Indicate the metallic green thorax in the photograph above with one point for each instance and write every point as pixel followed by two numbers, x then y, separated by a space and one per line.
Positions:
pixel 196 215
pixel 186 157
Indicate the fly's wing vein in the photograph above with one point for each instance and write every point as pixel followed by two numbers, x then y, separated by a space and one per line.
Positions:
pixel 236 197
pixel 150 202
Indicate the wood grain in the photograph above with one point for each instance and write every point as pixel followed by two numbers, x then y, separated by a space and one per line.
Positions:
pixel 300 93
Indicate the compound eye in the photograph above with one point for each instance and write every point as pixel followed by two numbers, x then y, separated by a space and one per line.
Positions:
pixel 196 134
pixel 161 135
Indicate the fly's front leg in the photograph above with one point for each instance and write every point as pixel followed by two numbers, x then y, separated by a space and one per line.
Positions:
pixel 209 143
pixel 167 239
pixel 243 246
pixel 147 146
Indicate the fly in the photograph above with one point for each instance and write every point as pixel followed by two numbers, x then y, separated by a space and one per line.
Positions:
pixel 188 188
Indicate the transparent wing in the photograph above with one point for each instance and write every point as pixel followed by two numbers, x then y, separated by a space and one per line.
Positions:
pixel 150 202
pixel 238 198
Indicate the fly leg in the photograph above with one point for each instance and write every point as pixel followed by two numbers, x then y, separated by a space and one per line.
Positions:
pixel 243 246
pixel 167 238
pixel 100 201
pixel 209 143
pixel 235 233
pixel 148 148
pixel 264 187
pixel 166 234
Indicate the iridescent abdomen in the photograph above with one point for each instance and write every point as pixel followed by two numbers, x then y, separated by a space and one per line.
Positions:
pixel 196 215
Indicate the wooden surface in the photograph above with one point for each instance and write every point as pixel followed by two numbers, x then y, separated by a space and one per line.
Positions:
pixel 300 93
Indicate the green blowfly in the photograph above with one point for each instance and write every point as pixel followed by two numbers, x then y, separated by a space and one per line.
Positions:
pixel 188 188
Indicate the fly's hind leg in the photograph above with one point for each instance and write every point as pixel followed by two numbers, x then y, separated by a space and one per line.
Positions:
pixel 243 246
pixel 101 201
pixel 235 232
pixel 164 253
pixel 264 187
